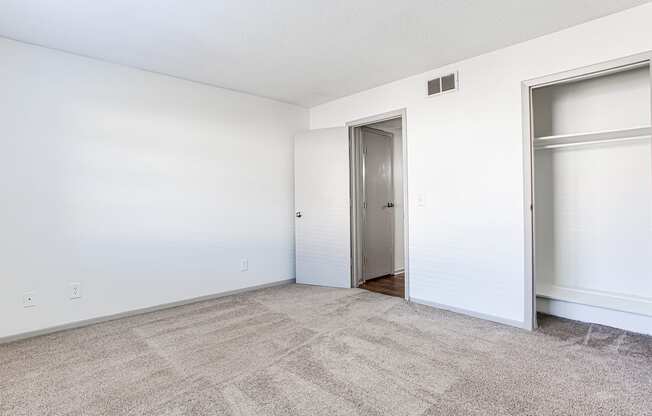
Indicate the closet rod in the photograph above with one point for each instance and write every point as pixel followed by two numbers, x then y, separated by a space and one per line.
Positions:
pixel 632 133
pixel 588 142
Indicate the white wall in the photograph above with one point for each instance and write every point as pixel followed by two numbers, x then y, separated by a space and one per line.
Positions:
pixel 465 156
pixel 145 188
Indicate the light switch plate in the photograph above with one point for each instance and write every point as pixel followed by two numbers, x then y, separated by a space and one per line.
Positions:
pixel 75 290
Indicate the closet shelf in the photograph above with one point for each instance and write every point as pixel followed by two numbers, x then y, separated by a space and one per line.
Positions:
pixel 563 140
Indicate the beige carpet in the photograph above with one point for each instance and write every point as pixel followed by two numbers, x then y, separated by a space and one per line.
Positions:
pixel 300 350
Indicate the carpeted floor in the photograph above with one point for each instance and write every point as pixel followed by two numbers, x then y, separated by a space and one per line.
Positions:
pixel 300 350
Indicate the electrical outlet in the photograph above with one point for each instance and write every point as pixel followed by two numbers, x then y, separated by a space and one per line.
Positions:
pixel 28 300
pixel 75 290
pixel 244 265
pixel 421 200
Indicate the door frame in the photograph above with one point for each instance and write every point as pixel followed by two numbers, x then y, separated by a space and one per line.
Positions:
pixel 354 158
pixel 529 204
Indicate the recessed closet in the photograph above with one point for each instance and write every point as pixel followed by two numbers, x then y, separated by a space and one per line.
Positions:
pixel 592 194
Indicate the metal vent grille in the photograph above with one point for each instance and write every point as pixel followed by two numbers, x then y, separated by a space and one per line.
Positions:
pixel 434 86
pixel 448 83
pixel 443 84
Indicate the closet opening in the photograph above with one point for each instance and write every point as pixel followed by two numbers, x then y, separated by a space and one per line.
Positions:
pixel 378 205
pixel 589 194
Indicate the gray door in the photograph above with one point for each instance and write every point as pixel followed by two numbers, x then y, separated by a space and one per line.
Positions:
pixel 378 211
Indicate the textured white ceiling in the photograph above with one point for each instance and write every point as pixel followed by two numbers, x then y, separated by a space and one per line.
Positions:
pixel 300 51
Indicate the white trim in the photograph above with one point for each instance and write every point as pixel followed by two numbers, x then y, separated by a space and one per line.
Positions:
pixel 106 318
pixel 529 308
pixel 473 314
pixel 406 204
pixel 592 314
pixel 356 178
pixel 591 71
pixel 606 300
pixel 377 118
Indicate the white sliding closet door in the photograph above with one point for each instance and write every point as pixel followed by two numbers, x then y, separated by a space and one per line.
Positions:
pixel 322 202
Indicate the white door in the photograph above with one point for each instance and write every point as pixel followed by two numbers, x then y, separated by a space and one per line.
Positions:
pixel 378 211
pixel 322 205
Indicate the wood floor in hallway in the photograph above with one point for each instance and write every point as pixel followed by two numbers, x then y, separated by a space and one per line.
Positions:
pixel 392 285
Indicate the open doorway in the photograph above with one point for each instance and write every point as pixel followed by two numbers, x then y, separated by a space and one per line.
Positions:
pixel 378 209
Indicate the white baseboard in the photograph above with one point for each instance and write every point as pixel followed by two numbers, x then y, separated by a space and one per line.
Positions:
pixel 607 300
pixel 486 317
pixel 624 320
pixel 399 271
pixel 87 322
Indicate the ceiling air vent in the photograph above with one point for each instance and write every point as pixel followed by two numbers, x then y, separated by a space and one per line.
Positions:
pixel 443 84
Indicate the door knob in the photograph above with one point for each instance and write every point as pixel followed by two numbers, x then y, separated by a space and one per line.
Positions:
pixel 298 214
